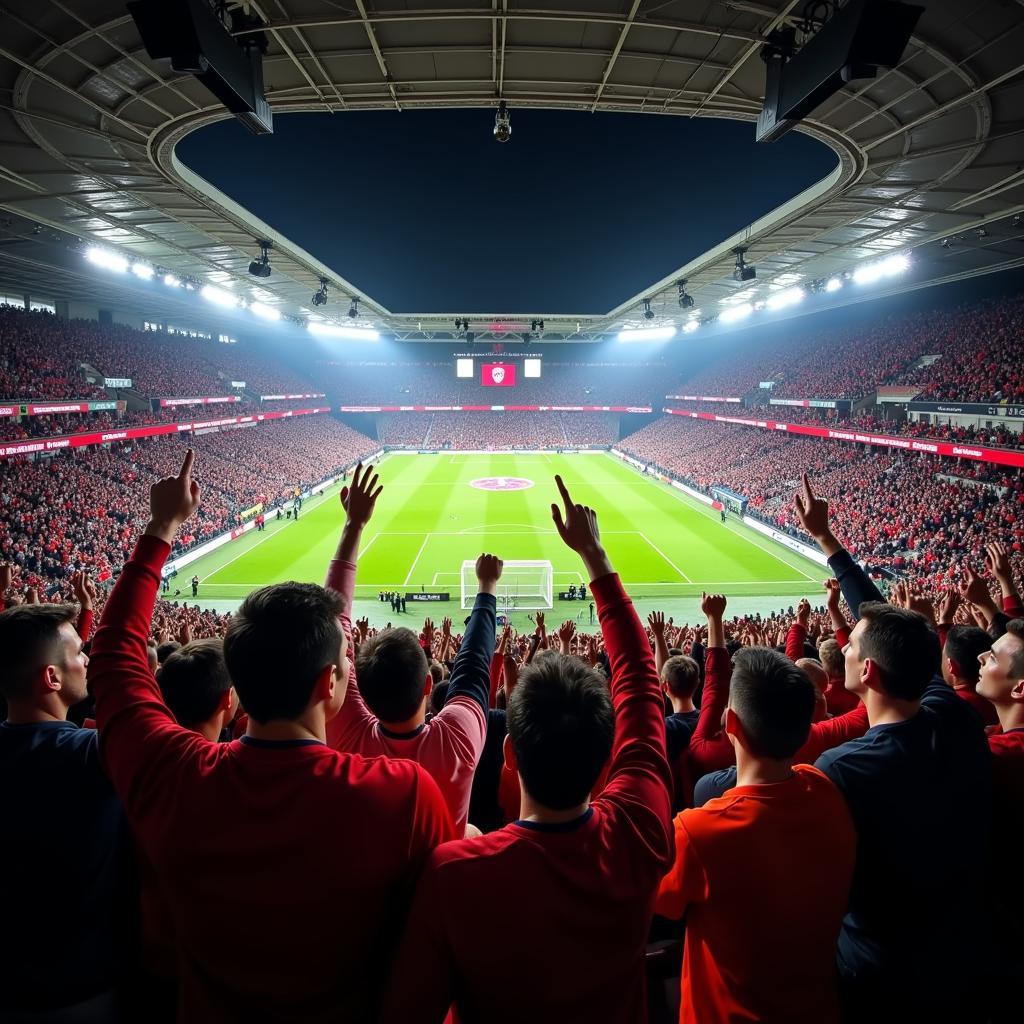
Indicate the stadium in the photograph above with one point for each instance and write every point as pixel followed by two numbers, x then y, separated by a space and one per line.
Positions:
pixel 569 451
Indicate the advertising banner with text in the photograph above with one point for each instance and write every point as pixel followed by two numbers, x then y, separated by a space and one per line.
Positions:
pixel 999 456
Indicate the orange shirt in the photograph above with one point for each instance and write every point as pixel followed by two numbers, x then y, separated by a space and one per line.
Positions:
pixel 763 874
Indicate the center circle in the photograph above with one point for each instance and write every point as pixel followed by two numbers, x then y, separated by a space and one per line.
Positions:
pixel 501 483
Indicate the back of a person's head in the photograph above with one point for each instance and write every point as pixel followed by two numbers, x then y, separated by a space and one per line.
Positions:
pixel 437 673
pixel 680 675
pixel 194 680
pixel 561 724
pixel 815 671
pixel 165 650
pixel 392 670
pixel 964 645
pixel 278 643
pixel 30 640
pixel 903 646
pixel 832 658
pixel 438 696
pixel 774 701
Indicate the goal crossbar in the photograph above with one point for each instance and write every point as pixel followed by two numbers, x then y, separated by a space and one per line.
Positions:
pixel 525 584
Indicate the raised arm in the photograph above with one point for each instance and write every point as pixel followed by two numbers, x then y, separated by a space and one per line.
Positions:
pixel 656 620
pixel 709 747
pixel 639 774
pixel 997 558
pixel 140 743
pixel 797 634
pixel 358 499
pixel 855 583
pixel 85 594
pixel 471 673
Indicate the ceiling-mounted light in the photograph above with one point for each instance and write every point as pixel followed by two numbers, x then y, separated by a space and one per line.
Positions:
pixel 261 309
pixel 338 331
pixel 106 259
pixel 502 123
pixel 219 296
pixel 261 266
pixel 685 299
pixel 734 313
pixel 648 333
pixel 143 270
pixel 320 296
pixel 648 312
pixel 353 309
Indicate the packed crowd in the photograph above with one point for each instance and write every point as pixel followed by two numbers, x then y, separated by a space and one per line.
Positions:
pixel 901 511
pixel 473 430
pixel 435 383
pixel 77 510
pixel 814 813
pixel 979 344
pixel 42 357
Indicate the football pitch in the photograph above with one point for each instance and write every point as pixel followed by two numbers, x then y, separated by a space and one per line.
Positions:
pixel 438 510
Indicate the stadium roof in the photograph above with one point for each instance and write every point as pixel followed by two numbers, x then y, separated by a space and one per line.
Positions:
pixel 931 150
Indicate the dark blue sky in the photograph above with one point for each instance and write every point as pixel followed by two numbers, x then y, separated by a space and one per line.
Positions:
pixel 424 211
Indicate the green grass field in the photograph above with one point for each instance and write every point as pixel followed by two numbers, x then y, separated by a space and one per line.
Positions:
pixel 430 519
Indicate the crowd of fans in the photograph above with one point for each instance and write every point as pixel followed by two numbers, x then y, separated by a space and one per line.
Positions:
pixel 802 818
pixel 77 510
pixel 924 518
pixel 435 383
pixel 979 345
pixel 496 430
pixel 42 357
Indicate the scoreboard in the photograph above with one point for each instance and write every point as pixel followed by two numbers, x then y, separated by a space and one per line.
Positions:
pixel 498 370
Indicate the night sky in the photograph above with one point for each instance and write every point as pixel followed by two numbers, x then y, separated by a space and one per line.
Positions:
pixel 425 212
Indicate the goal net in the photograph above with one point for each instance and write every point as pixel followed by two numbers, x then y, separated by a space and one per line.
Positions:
pixel 524 585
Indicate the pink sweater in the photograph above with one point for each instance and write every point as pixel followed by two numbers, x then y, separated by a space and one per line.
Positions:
pixel 448 747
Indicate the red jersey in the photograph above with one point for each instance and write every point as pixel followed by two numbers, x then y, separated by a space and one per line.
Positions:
pixel 287 867
pixel 548 924
pixel 763 874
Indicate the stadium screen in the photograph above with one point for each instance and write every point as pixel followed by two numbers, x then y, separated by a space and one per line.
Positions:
pixel 531 368
pixel 464 368
pixel 498 375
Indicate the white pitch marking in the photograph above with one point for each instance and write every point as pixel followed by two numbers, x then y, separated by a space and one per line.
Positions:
pixel 686 579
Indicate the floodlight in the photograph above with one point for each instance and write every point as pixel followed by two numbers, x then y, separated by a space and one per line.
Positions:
pixel 171 281
pixel 261 309
pixel 143 270
pixel 690 326
pixel 648 333
pixel 648 312
pixel 353 309
pixel 337 331
pixel 734 313
pixel 320 296
pixel 789 297
pixel 833 284
pixel 218 296
pixel 106 259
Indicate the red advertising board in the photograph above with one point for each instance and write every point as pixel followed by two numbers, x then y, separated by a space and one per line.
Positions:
pixel 216 400
pixel 50 444
pixel 999 456
pixel 498 375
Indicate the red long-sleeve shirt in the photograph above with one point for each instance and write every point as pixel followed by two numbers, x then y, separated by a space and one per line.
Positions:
pixel 287 866
pixel 549 924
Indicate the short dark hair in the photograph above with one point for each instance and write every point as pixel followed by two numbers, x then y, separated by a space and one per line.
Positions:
pixel 392 669
pixel 278 643
pixel 30 640
pixel 438 696
pixel 561 723
pixel 681 675
pixel 903 645
pixel 437 672
pixel 1015 627
pixel 165 650
pixel 193 680
pixel 964 645
pixel 774 700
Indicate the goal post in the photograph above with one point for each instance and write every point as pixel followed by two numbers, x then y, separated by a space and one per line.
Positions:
pixel 524 585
